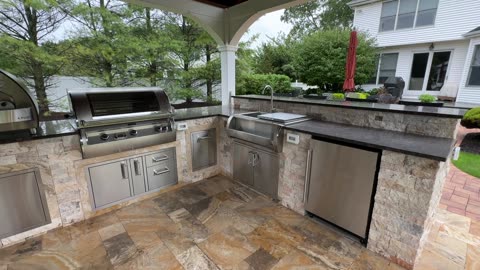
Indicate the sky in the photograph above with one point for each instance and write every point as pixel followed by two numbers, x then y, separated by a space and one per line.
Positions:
pixel 267 26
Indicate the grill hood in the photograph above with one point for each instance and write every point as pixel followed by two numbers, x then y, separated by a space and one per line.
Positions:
pixel 107 106
pixel 18 108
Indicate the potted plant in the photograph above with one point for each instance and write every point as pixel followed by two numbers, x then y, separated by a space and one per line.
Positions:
pixel 357 96
pixel 424 100
pixel 337 97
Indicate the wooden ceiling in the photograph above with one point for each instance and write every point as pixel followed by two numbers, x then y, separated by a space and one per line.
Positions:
pixel 222 3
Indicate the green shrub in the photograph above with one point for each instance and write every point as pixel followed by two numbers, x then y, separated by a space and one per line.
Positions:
pixel 471 119
pixel 254 84
pixel 338 96
pixel 426 98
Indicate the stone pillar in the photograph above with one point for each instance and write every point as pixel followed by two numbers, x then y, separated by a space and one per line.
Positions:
pixel 227 57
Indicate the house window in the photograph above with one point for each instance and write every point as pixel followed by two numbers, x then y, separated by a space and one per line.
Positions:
pixel 427 11
pixel 387 67
pixel 474 77
pixel 403 14
pixel 389 12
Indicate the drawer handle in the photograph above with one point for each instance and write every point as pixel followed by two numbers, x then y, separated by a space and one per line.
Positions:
pixel 158 159
pixel 199 139
pixel 155 172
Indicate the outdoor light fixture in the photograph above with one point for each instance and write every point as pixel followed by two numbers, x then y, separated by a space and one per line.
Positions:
pixel 432 47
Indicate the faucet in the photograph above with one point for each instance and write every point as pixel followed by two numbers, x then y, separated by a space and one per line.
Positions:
pixel 272 109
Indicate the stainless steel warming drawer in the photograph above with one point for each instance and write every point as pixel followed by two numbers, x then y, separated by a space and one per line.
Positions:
pixel 22 202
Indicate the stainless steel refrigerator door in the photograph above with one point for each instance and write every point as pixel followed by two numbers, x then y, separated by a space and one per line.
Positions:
pixel 341 185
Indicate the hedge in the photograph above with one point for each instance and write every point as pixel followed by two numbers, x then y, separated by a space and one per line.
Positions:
pixel 254 84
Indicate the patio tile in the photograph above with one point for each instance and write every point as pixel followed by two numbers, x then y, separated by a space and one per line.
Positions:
pixel 461 193
pixel 454 204
pixel 194 258
pixel 261 260
pixel 473 258
pixel 155 257
pixel 204 209
pixel 472 216
pixel 228 248
pixel 474 202
pixel 179 215
pixel 458 199
pixel 120 249
pixel 473 209
pixel 111 231
pixel 369 260
pixel 298 260
pixel 475 228
pixel 456 210
pixel 430 260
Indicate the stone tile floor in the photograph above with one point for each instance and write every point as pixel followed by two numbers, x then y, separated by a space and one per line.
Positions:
pixel 212 224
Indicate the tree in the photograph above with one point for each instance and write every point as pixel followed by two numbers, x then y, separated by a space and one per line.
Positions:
pixel 103 43
pixel 322 58
pixel 276 57
pixel 317 15
pixel 24 26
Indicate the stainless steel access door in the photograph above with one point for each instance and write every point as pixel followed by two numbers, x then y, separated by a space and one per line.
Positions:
pixel 341 185
pixel 138 175
pixel 204 149
pixel 110 182
pixel 22 202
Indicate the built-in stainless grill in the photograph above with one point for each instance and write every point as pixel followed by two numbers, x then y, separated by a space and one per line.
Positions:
pixel 113 120
pixel 18 108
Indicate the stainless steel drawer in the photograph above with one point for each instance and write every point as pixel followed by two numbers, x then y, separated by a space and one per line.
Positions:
pixel 162 175
pixel 159 157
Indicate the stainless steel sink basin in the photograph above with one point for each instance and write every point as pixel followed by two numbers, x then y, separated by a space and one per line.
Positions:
pixel 261 128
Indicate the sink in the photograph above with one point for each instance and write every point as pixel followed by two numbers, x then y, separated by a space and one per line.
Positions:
pixel 282 117
pixel 261 128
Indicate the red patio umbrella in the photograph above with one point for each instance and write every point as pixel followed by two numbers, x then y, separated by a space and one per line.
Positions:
pixel 349 84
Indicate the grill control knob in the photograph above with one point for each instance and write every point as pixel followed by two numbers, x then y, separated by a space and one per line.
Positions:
pixel 104 137
pixel 133 132
pixel 158 128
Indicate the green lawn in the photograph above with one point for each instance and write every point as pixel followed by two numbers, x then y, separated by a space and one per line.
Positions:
pixel 469 163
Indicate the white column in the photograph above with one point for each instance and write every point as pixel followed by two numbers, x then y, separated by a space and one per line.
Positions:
pixel 227 57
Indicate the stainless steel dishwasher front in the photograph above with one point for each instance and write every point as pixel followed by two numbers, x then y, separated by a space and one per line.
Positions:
pixel 340 185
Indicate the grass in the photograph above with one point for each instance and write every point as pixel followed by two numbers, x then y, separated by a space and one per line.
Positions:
pixel 469 163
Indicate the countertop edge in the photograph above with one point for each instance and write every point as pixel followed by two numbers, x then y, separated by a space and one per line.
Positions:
pixel 340 105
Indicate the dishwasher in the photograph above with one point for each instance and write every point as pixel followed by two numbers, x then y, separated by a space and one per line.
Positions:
pixel 341 183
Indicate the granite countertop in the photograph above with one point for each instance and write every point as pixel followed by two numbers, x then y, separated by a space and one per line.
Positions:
pixel 417 145
pixel 446 112
pixel 46 129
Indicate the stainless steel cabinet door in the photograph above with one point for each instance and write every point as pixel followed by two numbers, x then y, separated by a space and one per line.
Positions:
pixel 110 183
pixel 341 185
pixel 22 205
pixel 242 167
pixel 204 149
pixel 138 176
pixel 265 173
pixel 162 175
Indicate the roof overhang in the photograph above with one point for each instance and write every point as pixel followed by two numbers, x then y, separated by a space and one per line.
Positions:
pixel 225 20
pixel 474 33
pixel 356 3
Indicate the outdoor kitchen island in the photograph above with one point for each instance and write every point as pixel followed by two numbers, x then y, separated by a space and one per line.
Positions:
pixel 415 147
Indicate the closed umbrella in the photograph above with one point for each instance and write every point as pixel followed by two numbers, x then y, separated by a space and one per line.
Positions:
pixel 349 84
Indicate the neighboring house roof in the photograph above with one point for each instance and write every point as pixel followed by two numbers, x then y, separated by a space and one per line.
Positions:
pixel 356 3
pixel 474 32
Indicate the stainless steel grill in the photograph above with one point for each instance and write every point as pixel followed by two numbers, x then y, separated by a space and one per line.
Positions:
pixel 113 120
pixel 18 108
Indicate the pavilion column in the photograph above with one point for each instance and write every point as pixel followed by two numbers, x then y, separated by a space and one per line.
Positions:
pixel 227 57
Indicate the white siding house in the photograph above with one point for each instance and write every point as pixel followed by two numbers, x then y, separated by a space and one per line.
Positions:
pixel 434 45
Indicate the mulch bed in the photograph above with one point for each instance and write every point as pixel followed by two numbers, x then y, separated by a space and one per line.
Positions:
pixel 471 143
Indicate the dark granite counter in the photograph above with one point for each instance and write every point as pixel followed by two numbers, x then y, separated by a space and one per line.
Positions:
pixel 423 146
pixel 46 129
pixel 446 112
